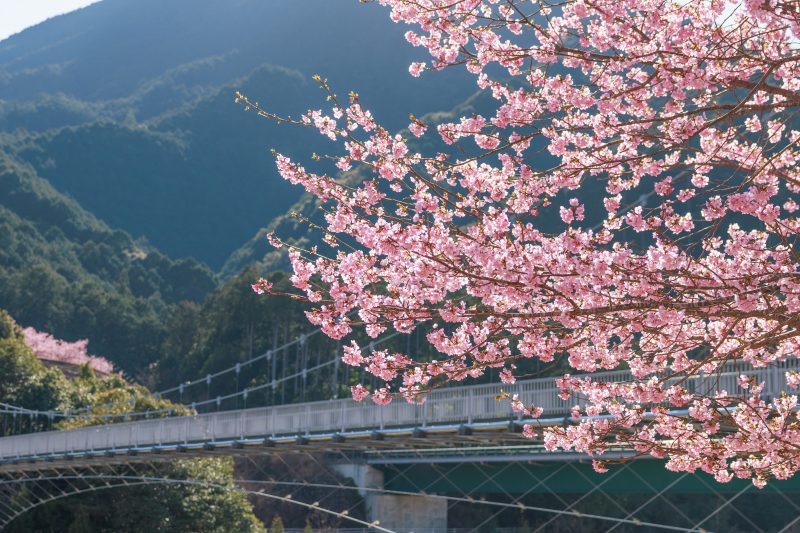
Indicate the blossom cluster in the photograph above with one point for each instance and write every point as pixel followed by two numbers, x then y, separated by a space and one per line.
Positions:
pixel 48 348
pixel 662 140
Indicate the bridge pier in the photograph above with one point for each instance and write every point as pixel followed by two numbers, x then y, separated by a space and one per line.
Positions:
pixel 400 513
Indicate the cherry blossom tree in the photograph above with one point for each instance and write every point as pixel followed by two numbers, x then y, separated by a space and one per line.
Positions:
pixel 48 348
pixel 629 203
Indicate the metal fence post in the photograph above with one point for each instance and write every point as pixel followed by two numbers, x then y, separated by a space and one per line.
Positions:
pixel 470 401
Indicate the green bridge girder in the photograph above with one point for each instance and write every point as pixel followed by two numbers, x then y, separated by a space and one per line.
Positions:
pixel 641 476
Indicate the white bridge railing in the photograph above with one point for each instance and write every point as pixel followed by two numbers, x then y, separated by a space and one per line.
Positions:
pixel 451 405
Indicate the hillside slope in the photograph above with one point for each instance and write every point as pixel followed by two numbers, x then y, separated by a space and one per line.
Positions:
pixel 196 182
pixel 152 55
pixel 127 106
pixel 64 271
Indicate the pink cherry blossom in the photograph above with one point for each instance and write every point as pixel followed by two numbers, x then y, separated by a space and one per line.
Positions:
pixel 262 286
pixel 417 128
pixel 359 392
pixel 415 69
pixel 48 348
pixel 674 123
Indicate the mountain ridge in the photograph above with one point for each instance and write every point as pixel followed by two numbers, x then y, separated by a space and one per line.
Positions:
pixel 157 146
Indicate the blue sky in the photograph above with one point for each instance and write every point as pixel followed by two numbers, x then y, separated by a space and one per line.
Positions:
pixel 16 15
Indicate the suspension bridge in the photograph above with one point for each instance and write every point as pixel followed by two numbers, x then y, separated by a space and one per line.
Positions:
pixel 447 413
pixel 413 464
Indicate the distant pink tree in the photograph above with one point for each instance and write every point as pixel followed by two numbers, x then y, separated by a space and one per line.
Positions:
pixel 631 201
pixel 48 348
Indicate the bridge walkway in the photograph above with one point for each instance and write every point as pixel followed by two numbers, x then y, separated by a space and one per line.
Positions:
pixel 465 411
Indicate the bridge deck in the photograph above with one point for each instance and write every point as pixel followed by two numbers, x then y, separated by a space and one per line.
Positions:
pixel 445 410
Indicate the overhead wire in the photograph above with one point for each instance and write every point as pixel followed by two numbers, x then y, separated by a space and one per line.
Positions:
pixel 289 499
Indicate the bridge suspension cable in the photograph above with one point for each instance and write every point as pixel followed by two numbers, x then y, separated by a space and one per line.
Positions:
pixel 154 480
pixel 90 412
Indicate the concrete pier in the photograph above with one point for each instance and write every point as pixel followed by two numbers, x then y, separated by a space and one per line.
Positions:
pixel 400 513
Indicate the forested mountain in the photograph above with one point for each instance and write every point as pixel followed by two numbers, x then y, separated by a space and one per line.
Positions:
pixel 146 50
pixel 126 168
pixel 128 106
pixel 196 182
pixel 64 271
pixel 123 156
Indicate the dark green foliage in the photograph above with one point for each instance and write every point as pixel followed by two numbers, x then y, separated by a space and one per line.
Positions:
pixel 40 223
pixel 49 111
pixel 26 382
pixel 233 325
pixel 175 508
pixel 311 469
pixel 196 182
